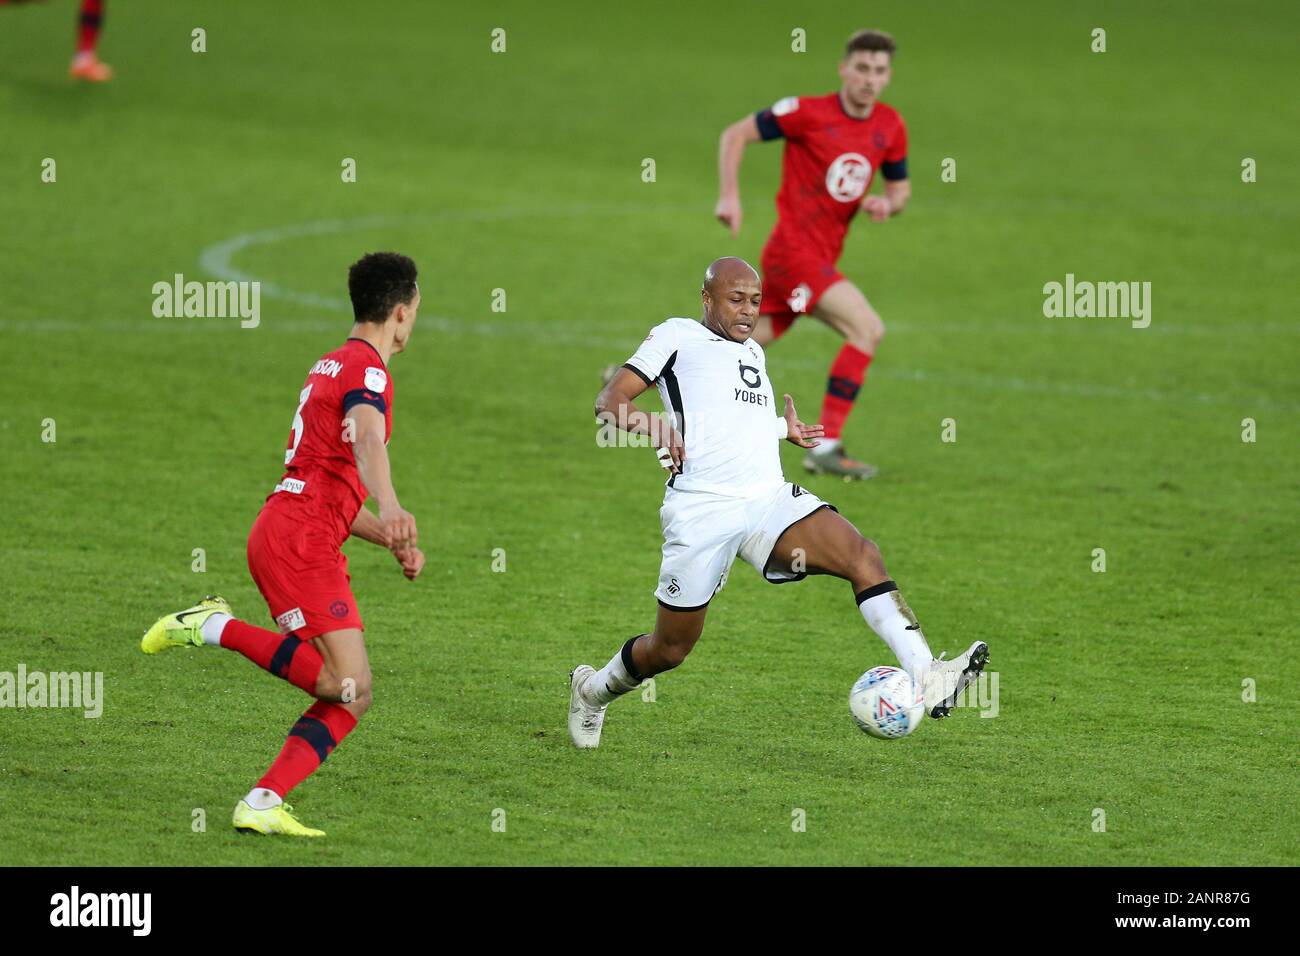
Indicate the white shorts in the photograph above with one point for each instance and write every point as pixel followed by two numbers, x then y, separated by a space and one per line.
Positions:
pixel 704 532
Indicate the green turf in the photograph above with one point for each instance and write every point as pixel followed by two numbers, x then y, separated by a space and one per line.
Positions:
pixel 1120 691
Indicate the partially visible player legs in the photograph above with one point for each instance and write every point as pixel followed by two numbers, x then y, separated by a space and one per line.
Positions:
pixel 770 327
pixel 825 542
pixel 346 680
pixel 591 690
pixel 211 621
pixel 845 309
pixel 673 638
pixel 86 65
pixel 333 668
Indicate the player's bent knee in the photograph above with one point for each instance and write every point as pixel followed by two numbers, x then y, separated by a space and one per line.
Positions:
pixel 664 656
pixel 357 692
pixel 339 689
pixel 671 656
pixel 868 565
pixel 360 705
pixel 867 333
pixel 328 686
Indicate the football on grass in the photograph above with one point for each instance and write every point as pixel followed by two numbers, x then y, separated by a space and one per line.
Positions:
pixel 886 703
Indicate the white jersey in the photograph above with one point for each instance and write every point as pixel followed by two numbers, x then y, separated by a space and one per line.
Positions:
pixel 721 399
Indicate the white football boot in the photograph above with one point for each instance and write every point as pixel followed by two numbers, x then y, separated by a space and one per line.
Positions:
pixel 945 680
pixel 585 720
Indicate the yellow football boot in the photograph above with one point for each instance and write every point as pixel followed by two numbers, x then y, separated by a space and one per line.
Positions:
pixel 277 820
pixel 183 627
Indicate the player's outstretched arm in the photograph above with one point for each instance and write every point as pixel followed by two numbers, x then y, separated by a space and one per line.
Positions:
pixel 397 525
pixel 731 148
pixel 615 406
pixel 805 436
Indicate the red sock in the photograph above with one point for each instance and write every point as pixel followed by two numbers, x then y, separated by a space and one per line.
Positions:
pixel 92 17
pixel 847 372
pixel 282 654
pixel 316 733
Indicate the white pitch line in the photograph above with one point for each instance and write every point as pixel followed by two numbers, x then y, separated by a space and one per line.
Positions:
pixel 217 260
pixel 580 335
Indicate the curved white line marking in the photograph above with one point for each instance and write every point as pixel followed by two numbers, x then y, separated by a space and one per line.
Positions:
pixel 217 259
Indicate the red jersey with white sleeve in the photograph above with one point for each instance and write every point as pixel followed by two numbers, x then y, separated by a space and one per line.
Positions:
pixel 321 486
pixel 830 161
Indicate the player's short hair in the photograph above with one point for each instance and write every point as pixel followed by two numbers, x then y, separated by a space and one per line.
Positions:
pixel 378 282
pixel 873 40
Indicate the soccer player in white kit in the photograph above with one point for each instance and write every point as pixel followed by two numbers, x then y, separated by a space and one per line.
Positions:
pixel 727 496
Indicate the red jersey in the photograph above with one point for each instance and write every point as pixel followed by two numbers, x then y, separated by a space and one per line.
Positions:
pixel 830 160
pixel 321 485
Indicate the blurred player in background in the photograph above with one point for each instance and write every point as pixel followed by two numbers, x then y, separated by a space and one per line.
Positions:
pixel 86 65
pixel 336 457
pixel 834 145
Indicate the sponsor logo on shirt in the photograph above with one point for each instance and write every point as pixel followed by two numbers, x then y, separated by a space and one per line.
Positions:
pixel 376 379
pixel 292 485
pixel 753 380
pixel 847 177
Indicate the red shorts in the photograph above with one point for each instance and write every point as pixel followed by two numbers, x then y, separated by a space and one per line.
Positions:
pixel 303 576
pixel 793 282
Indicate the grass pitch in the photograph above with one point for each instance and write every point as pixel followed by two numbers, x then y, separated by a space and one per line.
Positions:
pixel 1119 692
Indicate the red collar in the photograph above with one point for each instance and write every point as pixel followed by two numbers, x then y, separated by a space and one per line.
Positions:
pixel 353 338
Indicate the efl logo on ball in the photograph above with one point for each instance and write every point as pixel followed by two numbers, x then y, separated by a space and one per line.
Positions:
pixel 885 703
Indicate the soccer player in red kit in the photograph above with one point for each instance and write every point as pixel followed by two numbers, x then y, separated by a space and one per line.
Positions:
pixel 87 65
pixel 834 145
pixel 336 457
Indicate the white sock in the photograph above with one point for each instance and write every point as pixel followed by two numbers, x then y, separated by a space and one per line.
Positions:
pixel 890 617
pixel 259 798
pixel 826 446
pixel 211 628
pixel 612 680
